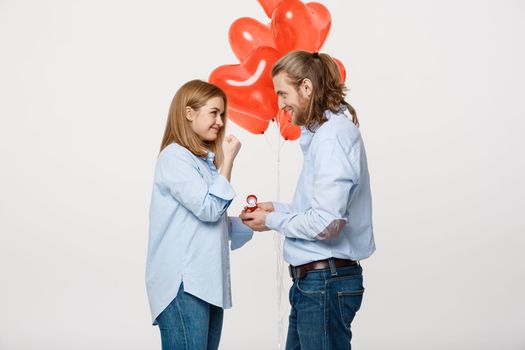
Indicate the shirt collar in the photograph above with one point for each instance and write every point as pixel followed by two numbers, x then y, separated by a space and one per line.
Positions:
pixel 307 135
pixel 305 139
pixel 210 157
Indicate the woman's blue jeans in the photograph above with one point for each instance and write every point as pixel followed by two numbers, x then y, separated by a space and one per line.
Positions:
pixel 189 323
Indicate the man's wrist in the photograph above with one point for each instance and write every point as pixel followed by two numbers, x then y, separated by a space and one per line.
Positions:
pixel 269 220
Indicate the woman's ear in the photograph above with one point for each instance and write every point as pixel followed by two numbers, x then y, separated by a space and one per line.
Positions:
pixel 189 113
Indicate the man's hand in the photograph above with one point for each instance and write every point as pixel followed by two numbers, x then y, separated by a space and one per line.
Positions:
pixel 255 220
pixel 266 206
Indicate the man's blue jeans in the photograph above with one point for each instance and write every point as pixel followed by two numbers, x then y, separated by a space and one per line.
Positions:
pixel 189 323
pixel 324 303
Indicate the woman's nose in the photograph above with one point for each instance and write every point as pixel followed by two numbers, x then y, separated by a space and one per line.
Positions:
pixel 219 121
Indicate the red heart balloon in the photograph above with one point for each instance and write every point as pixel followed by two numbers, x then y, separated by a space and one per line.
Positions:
pixel 299 26
pixel 251 98
pixel 288 130
pixel 248 122
pixel 269 6
pixel 247 34
pixel 342 70
pixel 321 19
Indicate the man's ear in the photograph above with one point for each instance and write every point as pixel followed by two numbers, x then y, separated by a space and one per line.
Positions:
pixel 306 87
pixel 189 113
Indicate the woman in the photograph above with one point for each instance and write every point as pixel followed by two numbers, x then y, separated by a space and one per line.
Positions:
pixel 187 273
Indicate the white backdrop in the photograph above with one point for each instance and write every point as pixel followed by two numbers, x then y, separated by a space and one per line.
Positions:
pixel 85 88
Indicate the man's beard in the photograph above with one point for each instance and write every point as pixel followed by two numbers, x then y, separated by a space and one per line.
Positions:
pixel 300 113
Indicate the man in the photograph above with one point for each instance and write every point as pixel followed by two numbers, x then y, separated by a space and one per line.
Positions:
pixel 328 225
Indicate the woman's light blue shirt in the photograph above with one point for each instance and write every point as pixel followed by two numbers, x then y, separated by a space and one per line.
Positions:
pixel 189 231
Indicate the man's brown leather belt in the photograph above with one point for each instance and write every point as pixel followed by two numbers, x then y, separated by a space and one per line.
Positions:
pixel 301 270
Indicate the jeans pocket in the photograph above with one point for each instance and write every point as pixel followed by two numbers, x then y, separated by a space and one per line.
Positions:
pixel 306 286
pixel 349 304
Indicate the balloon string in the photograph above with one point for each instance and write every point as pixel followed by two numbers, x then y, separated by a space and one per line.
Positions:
pixel 269 144
pixel 278 249
pixel 286 126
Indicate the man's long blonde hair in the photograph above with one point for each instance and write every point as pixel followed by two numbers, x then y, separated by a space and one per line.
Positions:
pixel 328 92
pixel 194 94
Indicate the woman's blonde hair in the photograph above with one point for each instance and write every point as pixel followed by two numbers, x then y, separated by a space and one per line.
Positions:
pixel 194 94
pixel 327 90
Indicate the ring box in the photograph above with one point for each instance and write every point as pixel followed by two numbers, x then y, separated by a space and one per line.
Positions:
pixel 252 203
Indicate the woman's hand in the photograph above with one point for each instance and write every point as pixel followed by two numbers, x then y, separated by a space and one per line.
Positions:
pixel 231 147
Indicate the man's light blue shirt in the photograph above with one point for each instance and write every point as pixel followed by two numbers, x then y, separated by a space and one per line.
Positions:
pixel 331 212
pixel 189 231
